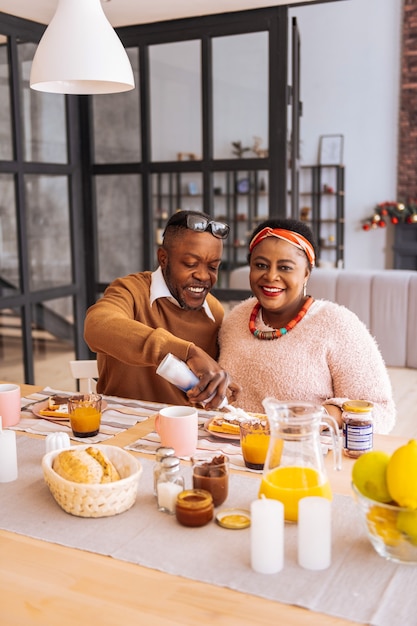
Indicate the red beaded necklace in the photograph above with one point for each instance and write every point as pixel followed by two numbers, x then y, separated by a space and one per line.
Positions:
pixel 278 332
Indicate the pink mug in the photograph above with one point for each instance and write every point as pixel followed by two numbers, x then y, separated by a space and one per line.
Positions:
pixel 177 427
pixel 10 404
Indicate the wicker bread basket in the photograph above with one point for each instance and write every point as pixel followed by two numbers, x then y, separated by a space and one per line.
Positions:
pixel 96 500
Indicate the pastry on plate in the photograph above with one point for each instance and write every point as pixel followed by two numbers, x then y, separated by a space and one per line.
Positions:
pixel 57 407
pixel 229 423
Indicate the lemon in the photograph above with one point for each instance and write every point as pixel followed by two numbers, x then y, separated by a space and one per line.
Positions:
pixel 402 475
pixel 369 475
pixel 407 523
pixel 382 523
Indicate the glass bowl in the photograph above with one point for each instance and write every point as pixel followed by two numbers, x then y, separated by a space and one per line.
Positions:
pixel 391 529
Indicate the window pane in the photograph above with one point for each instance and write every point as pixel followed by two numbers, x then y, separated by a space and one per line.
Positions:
pixel 6 151
pixel 120 226
pixel 9 258
pixel 175 89
pixel 47 219
pixel 241 200
pixel 11 346
pixel 53 343
pixel 116 122
pixel 44 127
pixel 172 192
pixel 240 93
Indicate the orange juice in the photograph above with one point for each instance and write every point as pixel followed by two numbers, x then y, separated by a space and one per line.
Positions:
pixel 254 449
pixel 290 484
pixel 85 421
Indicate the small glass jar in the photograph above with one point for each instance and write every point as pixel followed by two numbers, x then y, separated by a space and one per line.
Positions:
pixel 169 484
pixel 357 427
pixel 161 453
pixel 211 473
pixel 194 507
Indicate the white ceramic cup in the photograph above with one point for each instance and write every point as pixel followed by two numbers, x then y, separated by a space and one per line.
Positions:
pixel 177 427
pixel 10 404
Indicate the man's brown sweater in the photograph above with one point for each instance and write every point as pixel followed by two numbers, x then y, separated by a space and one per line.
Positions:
pixel 131 338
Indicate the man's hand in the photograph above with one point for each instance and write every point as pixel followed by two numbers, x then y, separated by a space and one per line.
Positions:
pixel 214 382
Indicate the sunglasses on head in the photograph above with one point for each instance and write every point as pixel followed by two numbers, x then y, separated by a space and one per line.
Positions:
pixel 200 224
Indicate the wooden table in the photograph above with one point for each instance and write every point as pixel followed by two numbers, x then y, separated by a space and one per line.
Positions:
pixel 47 584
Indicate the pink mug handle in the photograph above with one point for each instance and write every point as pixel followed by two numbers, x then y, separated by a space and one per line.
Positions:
pixel 157 423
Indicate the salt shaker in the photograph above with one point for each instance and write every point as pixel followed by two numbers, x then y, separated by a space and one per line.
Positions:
pixel 169 484
pixel 57 441
pixel 161 453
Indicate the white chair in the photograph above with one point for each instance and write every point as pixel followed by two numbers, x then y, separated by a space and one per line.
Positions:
pixel 85 372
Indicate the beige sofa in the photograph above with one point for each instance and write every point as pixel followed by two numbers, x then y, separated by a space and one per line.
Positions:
pixel 386 301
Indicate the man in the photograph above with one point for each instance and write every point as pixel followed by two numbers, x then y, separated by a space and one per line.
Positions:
pixel 144 316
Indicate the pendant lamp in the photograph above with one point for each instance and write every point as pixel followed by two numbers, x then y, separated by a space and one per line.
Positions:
pixel 80 53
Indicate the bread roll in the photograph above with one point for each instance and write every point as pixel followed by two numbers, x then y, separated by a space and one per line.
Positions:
pixel 86 465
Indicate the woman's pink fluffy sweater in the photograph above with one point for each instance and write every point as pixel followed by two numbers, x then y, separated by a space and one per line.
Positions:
pixel 328 358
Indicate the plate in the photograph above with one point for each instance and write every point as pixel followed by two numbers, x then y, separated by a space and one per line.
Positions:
pixel 221 435
pixel 44 404
pixel 233 519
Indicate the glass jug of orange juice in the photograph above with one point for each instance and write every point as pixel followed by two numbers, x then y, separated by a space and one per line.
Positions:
pixel 294 466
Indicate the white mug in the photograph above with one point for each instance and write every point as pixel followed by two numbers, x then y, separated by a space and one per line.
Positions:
pixel 10 404
pixel 177 427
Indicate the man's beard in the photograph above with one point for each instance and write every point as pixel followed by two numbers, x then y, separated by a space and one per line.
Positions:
pixel 175 294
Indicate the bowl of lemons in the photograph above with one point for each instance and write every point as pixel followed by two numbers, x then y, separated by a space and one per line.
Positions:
pixel 385 489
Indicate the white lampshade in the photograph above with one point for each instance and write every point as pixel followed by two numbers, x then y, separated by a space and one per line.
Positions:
pixel 80 53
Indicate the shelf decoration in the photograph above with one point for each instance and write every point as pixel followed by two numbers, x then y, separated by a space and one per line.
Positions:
pixel 238 149
pixel 262 153
pixel 331 150
pixel 391 212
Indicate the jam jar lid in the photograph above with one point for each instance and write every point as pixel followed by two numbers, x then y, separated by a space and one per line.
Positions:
pixel 234 519
pixel 193 499
pixel 357 406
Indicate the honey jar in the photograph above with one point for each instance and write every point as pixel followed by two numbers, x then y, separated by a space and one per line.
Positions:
pixel 194 507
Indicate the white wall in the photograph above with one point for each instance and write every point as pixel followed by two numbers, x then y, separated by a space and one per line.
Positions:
pixel 350 73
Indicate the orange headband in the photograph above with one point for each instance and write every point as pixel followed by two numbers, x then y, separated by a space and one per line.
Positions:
pixel 288 235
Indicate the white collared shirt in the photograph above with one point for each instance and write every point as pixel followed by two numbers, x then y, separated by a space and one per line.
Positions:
pixel 159 289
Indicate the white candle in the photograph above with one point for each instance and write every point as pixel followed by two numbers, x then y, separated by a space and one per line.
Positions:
pixel 167 496
pixel 267 536
pixel 314 533
pixel 8 455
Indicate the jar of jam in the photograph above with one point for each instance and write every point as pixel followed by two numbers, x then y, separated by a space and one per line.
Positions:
pixel 194 507
pixel 211 473
pixel 358 427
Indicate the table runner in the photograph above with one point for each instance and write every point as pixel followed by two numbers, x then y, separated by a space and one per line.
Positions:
pixel 359 585
pixel 231 447
pixel 209 442
pixel 113 421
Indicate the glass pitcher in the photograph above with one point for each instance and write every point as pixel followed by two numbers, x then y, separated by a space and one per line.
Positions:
pixel 294 466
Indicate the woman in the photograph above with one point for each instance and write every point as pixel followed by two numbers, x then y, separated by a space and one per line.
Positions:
pixel 285 344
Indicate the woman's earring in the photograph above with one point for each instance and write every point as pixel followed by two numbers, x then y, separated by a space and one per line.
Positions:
pixel 305 290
